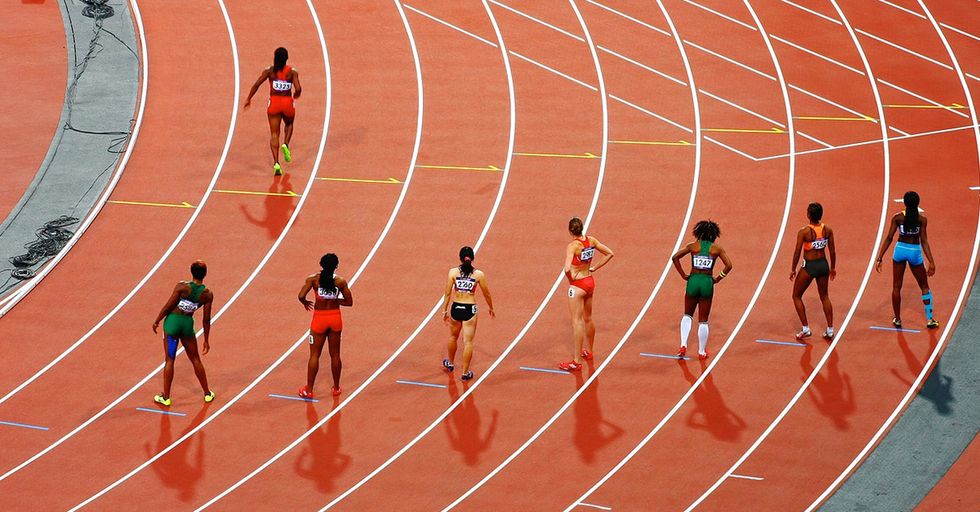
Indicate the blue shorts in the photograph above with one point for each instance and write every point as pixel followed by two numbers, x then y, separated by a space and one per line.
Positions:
pixel 910 253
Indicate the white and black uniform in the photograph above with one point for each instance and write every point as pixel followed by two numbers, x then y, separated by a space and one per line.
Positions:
pixel 461 311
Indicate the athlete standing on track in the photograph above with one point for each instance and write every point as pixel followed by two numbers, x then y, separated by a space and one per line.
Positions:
pixel 580 263
pixel 912 244
pixel 188 297
pixel 814 241
pixel 284 87
pixel 331 293
pixel 461 290
pixel 700 282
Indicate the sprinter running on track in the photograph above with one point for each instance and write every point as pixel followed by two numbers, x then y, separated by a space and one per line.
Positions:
pixel 284 87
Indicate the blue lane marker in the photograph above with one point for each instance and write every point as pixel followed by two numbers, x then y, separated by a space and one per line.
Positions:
pixel 545 370
pixel 299 398
pixel 789 343
pixel 24 425
pixel 894 329
pixel 158 411
pixel 665 356
pixel 423 384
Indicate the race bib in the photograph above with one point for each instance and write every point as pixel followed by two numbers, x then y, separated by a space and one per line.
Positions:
pixel 187 306
pixel 281 85
pixel 703 262
pixel 465 284
pixel 820 243
pixel 587 254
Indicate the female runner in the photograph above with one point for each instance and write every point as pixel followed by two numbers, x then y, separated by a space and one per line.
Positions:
pixel 580 263
pixel 814 240
pixel 284 87
pixel 461 288
pixel 913 242
pixel 331 293
pixel 700 282
pixel 188 297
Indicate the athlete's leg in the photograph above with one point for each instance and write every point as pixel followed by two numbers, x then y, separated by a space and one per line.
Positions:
pixel 576 306
pixel 314 365
pixel 455 328
pixel 168 368
pixel 898 275
pixel 922 279
pixel 589 324
pixel 823 284
pixel 333 338
pixel 275 120
pixel 287 129
pixel 469 331
pixel 690 303
pixel 802 282
pixel 704 309
pixel 190 348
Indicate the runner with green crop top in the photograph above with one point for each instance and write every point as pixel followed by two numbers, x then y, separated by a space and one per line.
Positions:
pixel 178 328
pixel 700 282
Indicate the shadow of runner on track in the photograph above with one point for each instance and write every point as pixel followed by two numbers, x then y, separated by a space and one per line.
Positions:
pixel 832 394
pixel 178 472
pixel 720 421
pixel 589 437
pixel 323 452
pixel 465 421
pixel 278 209
pixel 938 388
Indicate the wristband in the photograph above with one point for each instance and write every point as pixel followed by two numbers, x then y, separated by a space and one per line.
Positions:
pixel 721 275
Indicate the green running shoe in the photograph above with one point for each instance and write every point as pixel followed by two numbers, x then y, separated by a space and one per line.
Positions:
pixel 278 169
pixel 208 398
pixel 285 153
pixel 161 400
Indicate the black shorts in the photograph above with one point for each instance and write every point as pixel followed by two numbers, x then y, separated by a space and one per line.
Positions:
pixel 462 312
pixel 816 268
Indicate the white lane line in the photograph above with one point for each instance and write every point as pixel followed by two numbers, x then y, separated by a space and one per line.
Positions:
pixel 904 49
pixel 682 233
pixel 218 169
pixel 650 113
pixel 962 32
pixel 730 148
pixel 600 507
pixel 644 66
pixel 730 60
pixel 19 293
pixel 627 16
pixel 547 299
pixel 743 109
pixel 555 71
pixel 864 282
pixel 759 287
pixel 964 290
pixel 875 141
pixel 811 11
pixel 899 7
pixel 923 98
pixel 721 15
pixel 746 477
pixel 816 54
pixel 454 27
pixel 435 307
pixel 536 20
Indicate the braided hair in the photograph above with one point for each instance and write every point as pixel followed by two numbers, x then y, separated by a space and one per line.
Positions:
pixel 706 230
pixel 328 264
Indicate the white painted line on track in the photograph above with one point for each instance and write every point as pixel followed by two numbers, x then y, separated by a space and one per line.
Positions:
pixel 555 71
pixel 923 98
pixel 746 477
pixel 721 15
pixel 875 141
pixel 730 148
pixel 964 290
pixel 538 21
pixel 730 60
pixel 627 16
pixel 811 11
pixel 816 54
pixel 454 27
pixel 650 113
pixel 644 66
pixel 600 507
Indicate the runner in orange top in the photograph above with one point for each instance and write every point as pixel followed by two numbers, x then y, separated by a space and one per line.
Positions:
pixel 284 87
pixel 331 292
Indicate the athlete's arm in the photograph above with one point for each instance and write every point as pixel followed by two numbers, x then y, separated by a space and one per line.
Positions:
pixel 445 297
pixel 207 322
pixel 797 252
pixel 606 251
pixel 255 87
pixel 887 242
pixel 924 240
pixel 297 88
pixel 728 264
pixel 676 258
pixel 348 298
pixel 307 286
pixel 169 306
pixel 481 278
pixel 569 255
pixel 833 253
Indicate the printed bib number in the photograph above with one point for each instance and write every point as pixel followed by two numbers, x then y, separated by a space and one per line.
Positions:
pixel 187 306
pixel 281 85
pixel 465 284
pixel 820 243
pixel 587 254
pixel 703 262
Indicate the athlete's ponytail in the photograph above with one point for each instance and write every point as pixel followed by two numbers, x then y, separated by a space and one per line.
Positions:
pixel 575 226
pixel 466 261
pixel 911 200
pixel 328 264
pixel 279 60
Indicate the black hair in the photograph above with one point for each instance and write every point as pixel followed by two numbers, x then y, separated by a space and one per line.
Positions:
pixel 279 59
pixel 575 226
pixel 911 200
pixel 466 261
pixel 707 230
pixel 328 264
pixel 815 212
pixel 199 269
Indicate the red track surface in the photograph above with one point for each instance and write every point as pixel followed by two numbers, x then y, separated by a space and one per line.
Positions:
pixel 643 195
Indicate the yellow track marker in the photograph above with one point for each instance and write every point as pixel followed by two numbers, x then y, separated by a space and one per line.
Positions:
pixel 743 130
pixel 490 168
pixel 652 142
pixel 944 107
pixel 184 204
pixel 288 193
pixel 559 155
pixel 356 180
pixel 831 118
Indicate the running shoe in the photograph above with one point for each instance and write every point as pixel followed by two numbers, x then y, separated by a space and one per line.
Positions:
pixel 305 393
pixel 447 365
pixel 570 366
pixel 932 323
pixel 286 153
pixel 467 376
pixel 828 334
pixel 335 391
pixel 682 352
pixel 208 398
pixel 161 400
pixel 586 354
pixel 897 323
pixel 703 356
pixel 278 169
pixel 804 333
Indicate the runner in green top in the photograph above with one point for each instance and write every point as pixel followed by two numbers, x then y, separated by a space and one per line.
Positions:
pixel 700 282
pixel 178 328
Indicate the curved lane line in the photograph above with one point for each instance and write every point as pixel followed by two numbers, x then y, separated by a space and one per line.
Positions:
pixel 11 300
pixel 864 283
pixel 765 276
pixel 967 282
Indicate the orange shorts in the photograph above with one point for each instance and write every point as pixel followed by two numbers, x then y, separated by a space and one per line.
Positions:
pixel 326 319
pixel 281 105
